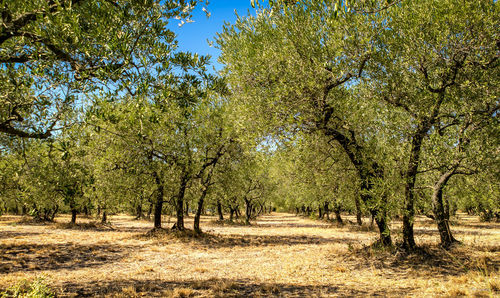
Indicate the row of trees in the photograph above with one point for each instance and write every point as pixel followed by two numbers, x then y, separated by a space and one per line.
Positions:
pixel 379 108
pixel 101 112
pixel 408 91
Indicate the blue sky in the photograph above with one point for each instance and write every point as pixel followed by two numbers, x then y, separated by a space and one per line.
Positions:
pixel 193 36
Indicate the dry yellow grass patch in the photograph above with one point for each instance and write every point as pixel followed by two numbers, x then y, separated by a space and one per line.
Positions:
pixel 280 255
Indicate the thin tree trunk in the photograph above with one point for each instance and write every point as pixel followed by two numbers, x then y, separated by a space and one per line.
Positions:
pixel 219 211
pixel 158 206
pixel 326 209
pixel 410 178
pixel 248 211
pixel 138 211
pixel 261 209
pixel 231 213
pixel 237 212
pixel 150 209
pixel 104 217
pixel 337 215
pixel 53 215
pixel 180 201
pixel 197 216
pixel 73 215
pixel 359 214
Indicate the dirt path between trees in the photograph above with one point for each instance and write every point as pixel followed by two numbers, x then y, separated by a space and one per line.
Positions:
pixel 279 255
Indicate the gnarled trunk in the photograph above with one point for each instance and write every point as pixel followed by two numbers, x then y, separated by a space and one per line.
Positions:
pixel 369 171
pixel 440 214
pixel 378 212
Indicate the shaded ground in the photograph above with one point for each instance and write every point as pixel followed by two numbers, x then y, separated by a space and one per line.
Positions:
pixel 279 255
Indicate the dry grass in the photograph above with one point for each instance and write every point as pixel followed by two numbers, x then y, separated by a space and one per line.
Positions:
pixel 279 255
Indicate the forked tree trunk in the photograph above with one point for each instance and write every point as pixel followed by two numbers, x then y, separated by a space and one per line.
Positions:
pixel 231 213
pixel 412 170
pixel 237 212
pixel 54 212
pixel 261 209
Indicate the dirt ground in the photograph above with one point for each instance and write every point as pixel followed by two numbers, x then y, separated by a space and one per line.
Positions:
pixel 279 255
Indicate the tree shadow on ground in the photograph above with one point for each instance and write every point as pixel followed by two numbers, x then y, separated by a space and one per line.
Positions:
pixel 86 226
pixel 319 225
pixel 277 219
pixel 36 257
pixel 11 234
pixel 13 218
pixel 454 231
pixel 486 225
pixel 426 259
pixel 31 221
pixel 212 288
pixel 208 240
